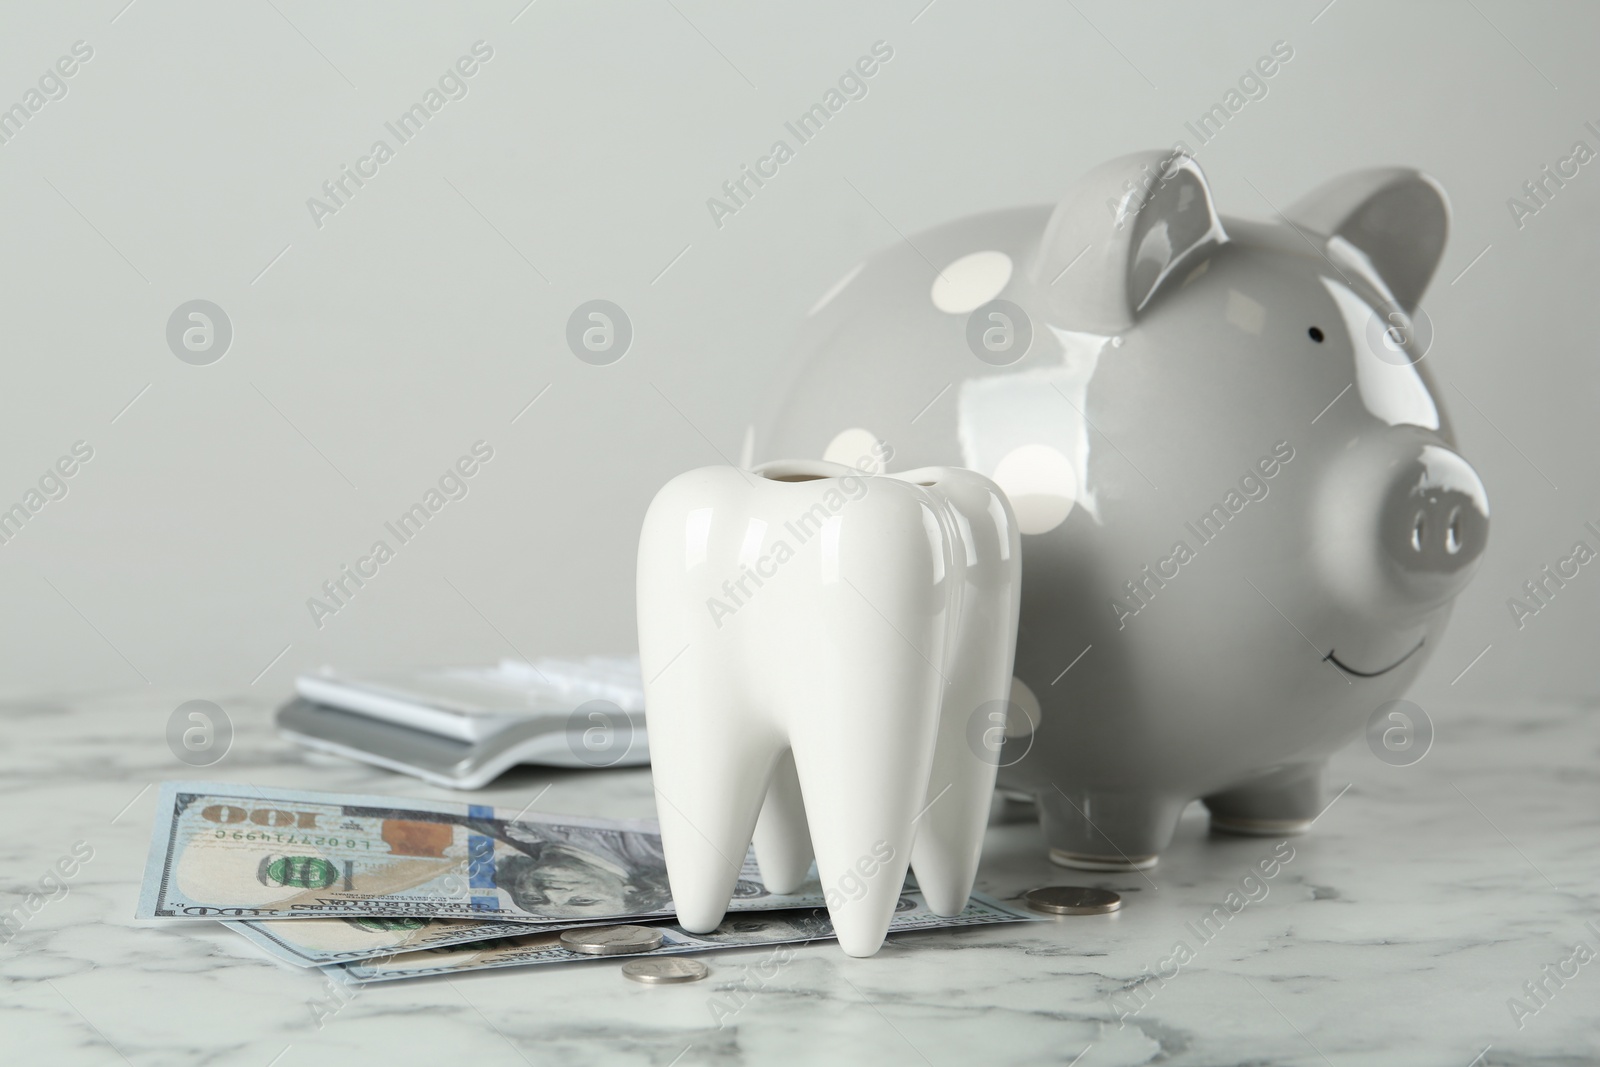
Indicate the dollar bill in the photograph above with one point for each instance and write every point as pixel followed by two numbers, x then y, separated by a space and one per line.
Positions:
pixel 319 942
pixel 737 931
pixel 241 852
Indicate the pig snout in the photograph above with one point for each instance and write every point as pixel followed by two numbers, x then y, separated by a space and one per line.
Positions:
pixel 1434 521
pixel 1400 524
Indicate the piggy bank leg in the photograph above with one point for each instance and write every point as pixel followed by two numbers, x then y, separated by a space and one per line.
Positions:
pixel 1108 831
pixel 1284 802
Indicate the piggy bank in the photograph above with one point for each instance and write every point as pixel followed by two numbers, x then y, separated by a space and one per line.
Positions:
pixel 1243 516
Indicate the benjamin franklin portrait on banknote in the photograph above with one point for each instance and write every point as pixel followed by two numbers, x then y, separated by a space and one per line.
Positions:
pixel 581 871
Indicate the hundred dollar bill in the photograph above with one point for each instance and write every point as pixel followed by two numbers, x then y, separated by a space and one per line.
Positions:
pixel 319 942
pixel 737 931
pixel 241 852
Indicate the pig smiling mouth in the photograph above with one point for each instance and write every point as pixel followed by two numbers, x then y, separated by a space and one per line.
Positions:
pixel 1331 658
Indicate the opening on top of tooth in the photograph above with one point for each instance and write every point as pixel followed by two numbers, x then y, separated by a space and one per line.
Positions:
pixel 927 485
pixel 798 470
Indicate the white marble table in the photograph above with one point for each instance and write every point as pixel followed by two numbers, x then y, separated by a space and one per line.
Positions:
pixel 1420 903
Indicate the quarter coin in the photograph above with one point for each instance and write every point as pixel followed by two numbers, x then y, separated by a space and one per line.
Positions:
pixel 665 970
pixel 1072 900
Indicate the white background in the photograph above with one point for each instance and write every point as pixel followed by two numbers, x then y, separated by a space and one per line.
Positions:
pixel 376 349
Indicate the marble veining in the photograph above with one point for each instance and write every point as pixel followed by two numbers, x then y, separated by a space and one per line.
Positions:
pixel 1421 903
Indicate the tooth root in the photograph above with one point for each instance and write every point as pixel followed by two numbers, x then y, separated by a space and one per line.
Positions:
pixel 950 832
pixel 864 775
pixel 783 838
pixel 709 781
pixel 949 836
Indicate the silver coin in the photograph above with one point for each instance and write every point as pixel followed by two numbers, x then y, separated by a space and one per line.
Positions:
pixel 1072 900
pixel 611 940
pixel 665 970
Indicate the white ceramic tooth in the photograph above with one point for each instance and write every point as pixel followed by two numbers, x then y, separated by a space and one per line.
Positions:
pixel 807 608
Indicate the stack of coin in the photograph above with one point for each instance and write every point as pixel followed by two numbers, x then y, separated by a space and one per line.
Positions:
pixel 611 940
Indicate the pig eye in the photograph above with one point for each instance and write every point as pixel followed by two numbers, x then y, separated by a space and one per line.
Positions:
pixel 1417 534
pixel 1452 536
pixel 1315 334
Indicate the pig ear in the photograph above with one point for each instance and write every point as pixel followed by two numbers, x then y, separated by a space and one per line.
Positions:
pixel 1396 217
pixel 1123 229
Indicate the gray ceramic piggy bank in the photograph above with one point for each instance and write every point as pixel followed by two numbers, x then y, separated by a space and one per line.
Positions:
pixel 1243 517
